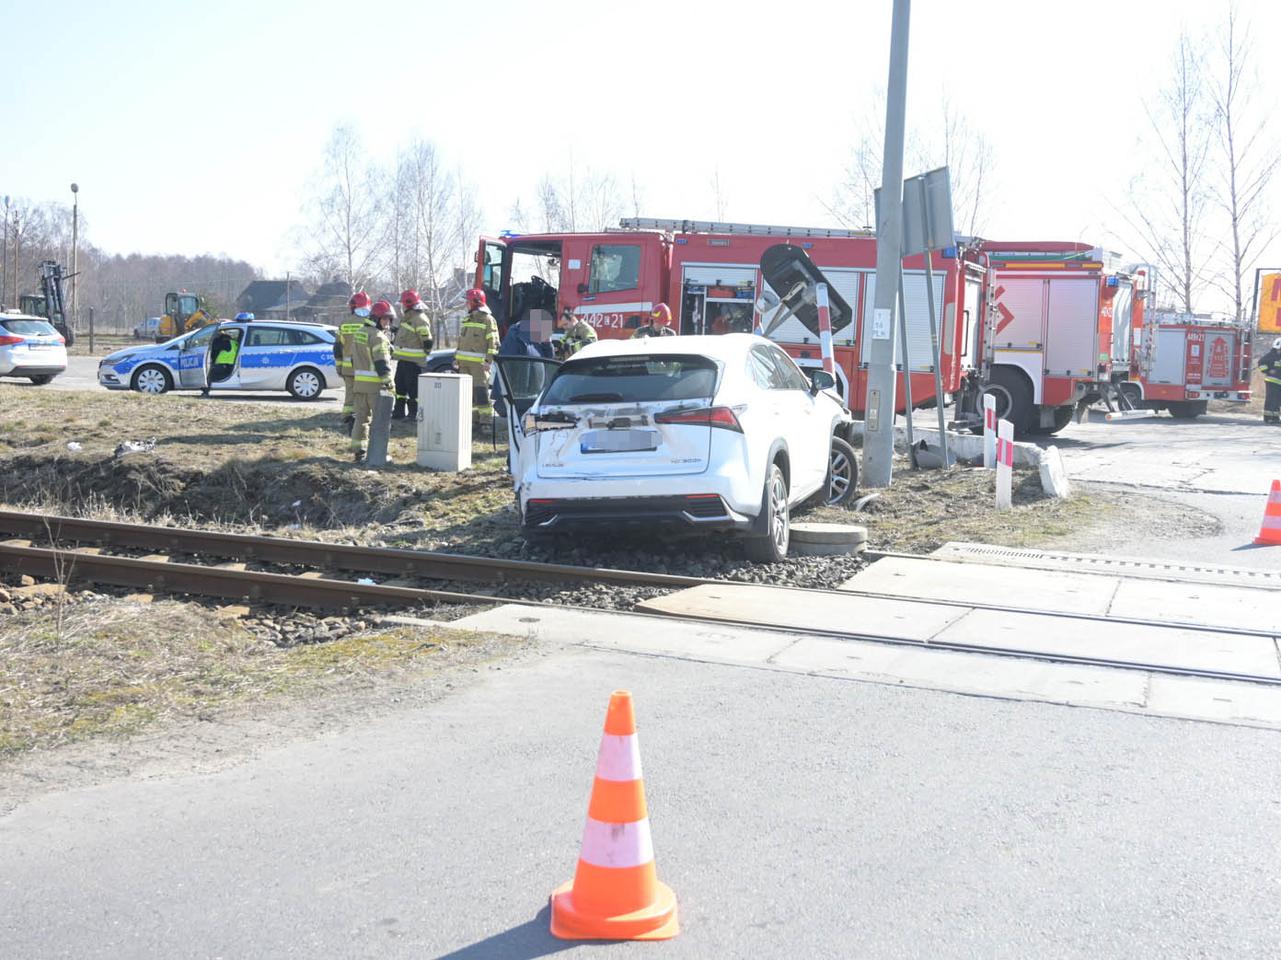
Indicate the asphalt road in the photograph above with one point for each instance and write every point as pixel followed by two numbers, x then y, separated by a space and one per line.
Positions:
pixel 794 816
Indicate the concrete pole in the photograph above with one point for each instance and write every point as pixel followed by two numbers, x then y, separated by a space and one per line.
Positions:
pixel 878 437
pixel 75 254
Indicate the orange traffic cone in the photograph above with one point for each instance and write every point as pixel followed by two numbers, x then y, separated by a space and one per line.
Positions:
pixel 615 893
pixel 1270 532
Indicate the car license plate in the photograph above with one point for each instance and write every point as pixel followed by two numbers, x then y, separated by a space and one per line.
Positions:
pixel 619 441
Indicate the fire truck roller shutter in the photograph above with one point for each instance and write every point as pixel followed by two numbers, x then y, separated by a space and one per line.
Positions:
pixel 1168 352
pixel 921 355
pixel 1071 327
pixel 846 282
pixel 1122 328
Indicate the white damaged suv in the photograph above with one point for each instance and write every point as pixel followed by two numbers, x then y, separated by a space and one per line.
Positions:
pixel 696 432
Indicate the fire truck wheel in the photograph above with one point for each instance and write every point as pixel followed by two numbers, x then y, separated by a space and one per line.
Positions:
pixel 1013 397
pixel 1188 409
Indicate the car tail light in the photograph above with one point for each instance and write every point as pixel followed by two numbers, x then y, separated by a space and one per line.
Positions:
pixel 722 417
pixel 8 340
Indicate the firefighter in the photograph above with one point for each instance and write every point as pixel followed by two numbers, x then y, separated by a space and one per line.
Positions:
pixel 413 343
pixel 578 333
pixel 477 346
pixel 359 305
pixel 658 325
pixel 371 371
pixel 1270 364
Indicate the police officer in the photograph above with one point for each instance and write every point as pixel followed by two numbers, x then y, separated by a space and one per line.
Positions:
pixel 224 349
pixel 578 333
pixel 359 305
pixel 659 325
pixel 1270 364
pixel 371 371
pixel 477 346
pixel 413 343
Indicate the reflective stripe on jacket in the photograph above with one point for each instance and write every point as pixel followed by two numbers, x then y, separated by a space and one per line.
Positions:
pixel 1270 364
pixel 342 347
pixel 478 336
pixel 371 359
pixel 414 337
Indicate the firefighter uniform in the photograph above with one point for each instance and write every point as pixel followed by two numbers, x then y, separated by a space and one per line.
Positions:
pixel 371 376
pixel 1270 364
pixel 342 360
pixel 413 342
pixel 578 335
pixel 477 343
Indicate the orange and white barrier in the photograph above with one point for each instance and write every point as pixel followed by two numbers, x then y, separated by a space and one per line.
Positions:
pixel 1270 531
pixel 1004 465
pixel 989 431
pixel 615 893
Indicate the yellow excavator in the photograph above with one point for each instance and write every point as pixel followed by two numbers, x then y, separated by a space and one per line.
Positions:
pixel 183 312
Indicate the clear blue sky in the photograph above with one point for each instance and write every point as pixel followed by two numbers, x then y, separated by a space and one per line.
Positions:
pixel 196 128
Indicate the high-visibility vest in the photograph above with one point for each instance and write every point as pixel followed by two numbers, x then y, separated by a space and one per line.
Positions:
pixel 579 335
pixel 413 340
pixel 228 355
pixel 477 337
pixel 369 345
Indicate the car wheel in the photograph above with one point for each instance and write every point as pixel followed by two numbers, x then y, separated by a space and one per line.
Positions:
pixel 771 545
pixel 152 379
pixel 1187 409
pixel 305 383
pixel 842 473
pixel 41 379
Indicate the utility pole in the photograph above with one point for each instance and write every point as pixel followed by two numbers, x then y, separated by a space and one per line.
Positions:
pixel 75 255
pixel 4 256
pixel 287 283
pixel 878 436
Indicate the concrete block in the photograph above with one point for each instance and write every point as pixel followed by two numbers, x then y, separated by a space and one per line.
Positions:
pixel 1054 478
pixel 965 446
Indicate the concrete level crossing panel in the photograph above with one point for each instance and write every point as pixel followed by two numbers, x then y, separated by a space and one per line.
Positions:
pixel 809 610
pixel 1169 647
pixel 1056 591
pixel 1209 604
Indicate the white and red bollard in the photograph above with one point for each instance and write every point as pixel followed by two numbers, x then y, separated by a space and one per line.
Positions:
pixel 989 431
pixel 825 328
pixel 1004 464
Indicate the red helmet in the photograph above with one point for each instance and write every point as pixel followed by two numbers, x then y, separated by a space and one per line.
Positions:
pixel 358 300
pixel 661 315
pixel 409 298
pixel 475 298
pixel 382 309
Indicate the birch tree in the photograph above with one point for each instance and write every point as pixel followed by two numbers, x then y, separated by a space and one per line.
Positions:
pixel 1168 206
pixel 349 230
pixel 1247 158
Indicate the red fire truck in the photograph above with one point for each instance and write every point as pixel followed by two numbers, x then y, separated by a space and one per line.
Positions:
pixel 709 274
pixel 1180 361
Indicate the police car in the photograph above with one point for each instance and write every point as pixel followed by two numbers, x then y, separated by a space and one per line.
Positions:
pixel 297 357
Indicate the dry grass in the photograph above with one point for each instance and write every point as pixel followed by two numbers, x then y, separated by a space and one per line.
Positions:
pixel 116 666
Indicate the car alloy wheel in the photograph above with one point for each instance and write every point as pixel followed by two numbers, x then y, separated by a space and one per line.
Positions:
pixel 151 380
pixel 305 385
pixel 779 521
pixel 842 473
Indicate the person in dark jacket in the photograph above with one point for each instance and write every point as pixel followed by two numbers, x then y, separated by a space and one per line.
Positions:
pixel 1270 364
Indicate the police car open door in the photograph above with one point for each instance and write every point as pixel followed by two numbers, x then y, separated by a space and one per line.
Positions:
pixel 521 380
pixel 193 360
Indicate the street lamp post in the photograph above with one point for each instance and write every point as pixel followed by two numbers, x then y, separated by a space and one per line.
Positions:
pixel 75 252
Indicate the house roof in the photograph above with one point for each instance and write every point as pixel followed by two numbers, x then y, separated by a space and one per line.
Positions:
pixel 262 296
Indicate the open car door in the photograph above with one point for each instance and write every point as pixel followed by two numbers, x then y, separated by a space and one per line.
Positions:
pixel 521 381
pixel 193 359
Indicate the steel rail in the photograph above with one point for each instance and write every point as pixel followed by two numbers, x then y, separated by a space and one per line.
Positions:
pixel 167 576
pixel 315 553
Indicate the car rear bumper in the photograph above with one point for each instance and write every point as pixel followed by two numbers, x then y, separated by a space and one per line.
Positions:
pixel 690 512
pixel 34 370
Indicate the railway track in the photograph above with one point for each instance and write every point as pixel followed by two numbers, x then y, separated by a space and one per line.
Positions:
pixel 75 554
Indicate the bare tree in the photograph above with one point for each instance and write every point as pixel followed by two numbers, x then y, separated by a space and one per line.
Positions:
pixel 969 159
pixel 718 195
pixel 349 230
pixel 638 195
pixel 1247 157
pixel 589 202
pixel 1168 202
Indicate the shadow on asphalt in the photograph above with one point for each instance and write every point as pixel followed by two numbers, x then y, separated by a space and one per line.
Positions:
pixel 524 942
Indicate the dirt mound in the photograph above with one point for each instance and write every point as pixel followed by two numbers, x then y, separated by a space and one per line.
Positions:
pixel 317 492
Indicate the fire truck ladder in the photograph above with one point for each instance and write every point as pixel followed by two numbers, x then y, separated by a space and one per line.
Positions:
pixel 741 229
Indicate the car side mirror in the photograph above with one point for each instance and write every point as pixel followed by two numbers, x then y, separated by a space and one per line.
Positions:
pixel 821 380
pixel 582 288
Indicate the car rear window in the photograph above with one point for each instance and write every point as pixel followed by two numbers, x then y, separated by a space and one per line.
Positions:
pixel 632 379
pixel 29 328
